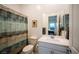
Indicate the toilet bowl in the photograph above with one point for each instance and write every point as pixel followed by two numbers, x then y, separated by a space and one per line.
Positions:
pixel 28 49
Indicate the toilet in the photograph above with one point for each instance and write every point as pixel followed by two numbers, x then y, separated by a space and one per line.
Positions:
pixel 30 48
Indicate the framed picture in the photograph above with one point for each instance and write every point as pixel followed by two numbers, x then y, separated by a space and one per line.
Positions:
pixel 34 23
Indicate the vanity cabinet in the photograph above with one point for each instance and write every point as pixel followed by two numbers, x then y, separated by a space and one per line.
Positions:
pixel 48 48
pixel 47 45
pixel 44 50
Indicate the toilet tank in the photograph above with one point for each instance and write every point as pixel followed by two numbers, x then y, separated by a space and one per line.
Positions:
pixel 32 40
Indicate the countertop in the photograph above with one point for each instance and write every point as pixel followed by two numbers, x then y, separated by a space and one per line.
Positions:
pixel 55 40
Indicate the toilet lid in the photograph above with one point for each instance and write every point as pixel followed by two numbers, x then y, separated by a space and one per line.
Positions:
pixel 27 48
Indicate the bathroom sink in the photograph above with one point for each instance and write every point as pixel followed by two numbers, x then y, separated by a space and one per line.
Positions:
pixel 54 40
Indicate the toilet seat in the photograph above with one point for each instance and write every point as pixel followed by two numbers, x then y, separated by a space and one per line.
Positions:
pixel 28 49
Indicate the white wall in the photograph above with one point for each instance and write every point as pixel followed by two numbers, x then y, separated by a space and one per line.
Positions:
pixel 15 7
pixel 75 28
pixel 40 12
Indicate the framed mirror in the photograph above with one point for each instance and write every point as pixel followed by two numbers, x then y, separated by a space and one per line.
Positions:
pixel 58 25
pixel 52 25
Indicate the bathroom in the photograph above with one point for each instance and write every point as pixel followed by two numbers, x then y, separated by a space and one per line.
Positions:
pixel 38 29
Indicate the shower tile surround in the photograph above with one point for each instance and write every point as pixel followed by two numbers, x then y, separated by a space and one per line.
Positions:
pixel 13 31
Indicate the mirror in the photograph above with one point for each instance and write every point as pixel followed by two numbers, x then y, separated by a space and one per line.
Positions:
pixel 65 26
pixel 59 26
pixel 52 25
